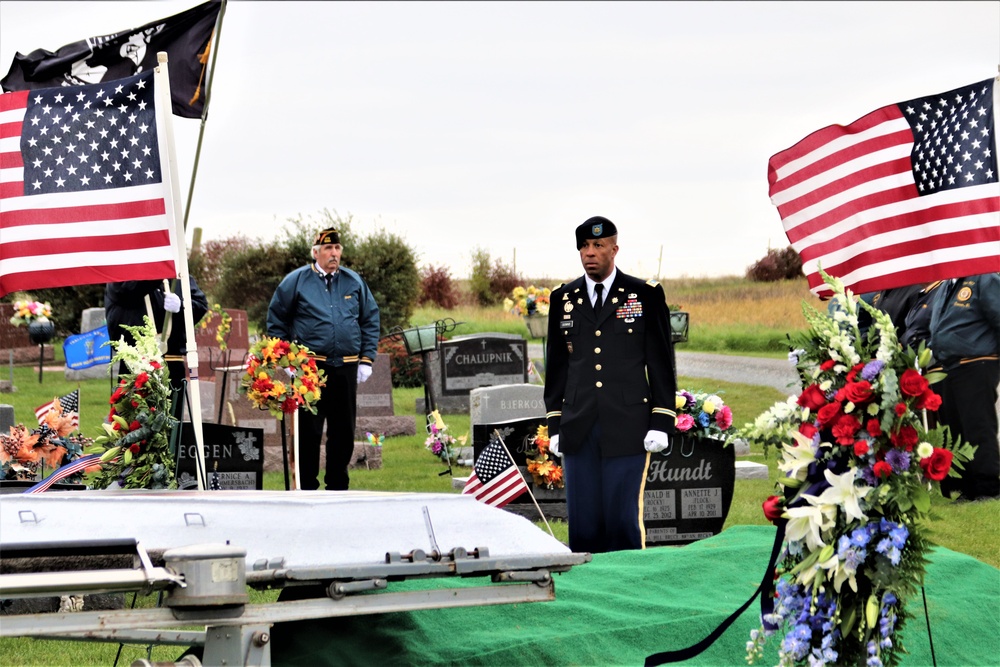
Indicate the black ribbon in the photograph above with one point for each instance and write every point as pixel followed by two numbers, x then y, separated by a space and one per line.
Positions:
pixel 765 590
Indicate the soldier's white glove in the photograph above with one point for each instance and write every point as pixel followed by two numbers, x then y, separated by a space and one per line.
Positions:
pixel 554 445
pixel 171 302
pixel 656 441
pixel 364 372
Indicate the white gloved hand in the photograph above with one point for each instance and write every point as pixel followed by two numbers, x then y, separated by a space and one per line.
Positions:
pixel 554 445
pixel 171 302
pixel 656 441
pixel 364 372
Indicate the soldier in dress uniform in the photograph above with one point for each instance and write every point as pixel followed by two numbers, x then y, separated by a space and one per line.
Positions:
pixel 609 391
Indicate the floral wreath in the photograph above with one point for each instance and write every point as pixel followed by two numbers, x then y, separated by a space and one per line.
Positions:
pixel 225 324
pixel 544 471
pixel 24 454
pixel 135 446
pixel 859 463
pixel 26 312
pixel 282 377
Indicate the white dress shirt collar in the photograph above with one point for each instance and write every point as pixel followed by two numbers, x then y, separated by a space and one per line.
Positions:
pixel 607 282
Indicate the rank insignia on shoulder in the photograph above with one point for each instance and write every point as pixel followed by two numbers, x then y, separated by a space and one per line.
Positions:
pixel 652 283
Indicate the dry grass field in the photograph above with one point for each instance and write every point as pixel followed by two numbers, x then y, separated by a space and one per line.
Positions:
pixel 736 301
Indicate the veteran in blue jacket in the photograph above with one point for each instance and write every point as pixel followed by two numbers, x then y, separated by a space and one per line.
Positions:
pixel 329 309
pixel 965 340
pixel 610 389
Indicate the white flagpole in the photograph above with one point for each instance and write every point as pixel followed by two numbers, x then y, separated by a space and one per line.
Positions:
pixel 296 484
pixel 540 513
pixel 163 105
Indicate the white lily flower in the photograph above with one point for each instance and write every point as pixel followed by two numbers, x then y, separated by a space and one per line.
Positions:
pixel 807 523
pixel 797 459
pixel 846 493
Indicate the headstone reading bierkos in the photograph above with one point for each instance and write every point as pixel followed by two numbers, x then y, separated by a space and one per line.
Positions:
pixel 689 488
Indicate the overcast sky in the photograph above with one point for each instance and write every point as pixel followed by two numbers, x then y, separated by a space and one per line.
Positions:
pixel 504 125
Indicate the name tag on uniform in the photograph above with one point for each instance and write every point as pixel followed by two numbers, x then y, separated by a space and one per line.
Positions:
pixel 347 296
pixel 566 324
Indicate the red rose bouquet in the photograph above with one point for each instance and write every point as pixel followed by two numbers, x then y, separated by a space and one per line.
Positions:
pixel 859 465
pixel 135 447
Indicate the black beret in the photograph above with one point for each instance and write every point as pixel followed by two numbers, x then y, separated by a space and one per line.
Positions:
pixel 327 236
pixel 597 227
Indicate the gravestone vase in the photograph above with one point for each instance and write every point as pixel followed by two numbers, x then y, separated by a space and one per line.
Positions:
pixel 538 325
pixel 41 331
pixel 679 322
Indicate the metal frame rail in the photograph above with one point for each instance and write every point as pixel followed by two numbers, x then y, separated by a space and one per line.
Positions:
pixel 206 585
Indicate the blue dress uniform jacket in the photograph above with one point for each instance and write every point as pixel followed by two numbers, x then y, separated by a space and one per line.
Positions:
pixel 614 368
pixel 965 320
pixel 342 324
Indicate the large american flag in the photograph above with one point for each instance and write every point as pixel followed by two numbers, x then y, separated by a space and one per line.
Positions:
pixel 84 194
pixel 495 480
pixel 904 195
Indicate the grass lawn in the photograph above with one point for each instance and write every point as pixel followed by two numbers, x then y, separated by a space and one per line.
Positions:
pixel 756 327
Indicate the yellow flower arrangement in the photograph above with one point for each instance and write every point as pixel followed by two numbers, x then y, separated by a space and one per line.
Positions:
pixel 528 301
pixel 281 377
pixel 544 471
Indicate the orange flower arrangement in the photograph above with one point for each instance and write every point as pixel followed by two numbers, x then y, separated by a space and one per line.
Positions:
pixel 545 472
pixel 25 454
pixel 281 377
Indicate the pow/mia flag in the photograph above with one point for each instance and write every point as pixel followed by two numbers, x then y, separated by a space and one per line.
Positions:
pixel 185 37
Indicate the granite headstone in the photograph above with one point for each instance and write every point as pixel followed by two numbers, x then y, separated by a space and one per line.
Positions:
pixel 235 453
pixel 689 488
pixel 467 362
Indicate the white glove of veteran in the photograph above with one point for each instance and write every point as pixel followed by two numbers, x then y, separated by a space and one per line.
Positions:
pixel 171 302
pixel 364 372
pixel 656 441
pixel 554 445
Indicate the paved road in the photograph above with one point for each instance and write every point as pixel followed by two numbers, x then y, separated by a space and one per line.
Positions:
pixel 777 373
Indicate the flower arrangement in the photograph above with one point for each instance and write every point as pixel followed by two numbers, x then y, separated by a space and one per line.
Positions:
pixel 26 312
pixel 29 455
pixel 859 464
pixel 225 324
pixel 703 415
pixel 281 377
pixel 528 301
pixel 135 446
pixel 544 471
pixel 440 443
